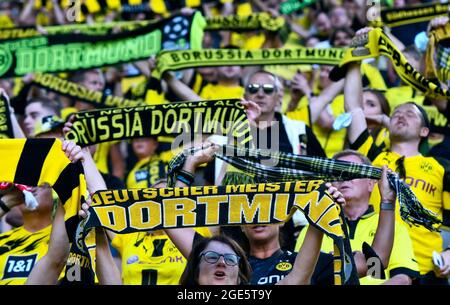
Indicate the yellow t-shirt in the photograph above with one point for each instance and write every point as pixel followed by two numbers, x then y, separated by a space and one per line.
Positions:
pixel 150 259
pixel 146 172
pixel 20 250
pixel 382 138
pixel 429 179
pixel 402 259
pixel 332 141
pixel 300 114
pixel 374 77
pixel 101 156
pixel 6 21
pixel 399 95
pixel 216 92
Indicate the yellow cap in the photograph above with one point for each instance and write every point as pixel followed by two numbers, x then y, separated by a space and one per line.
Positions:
pixel 47 124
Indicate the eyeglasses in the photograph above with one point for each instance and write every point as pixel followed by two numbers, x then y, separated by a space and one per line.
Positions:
pixel 212 258
pixel 267 88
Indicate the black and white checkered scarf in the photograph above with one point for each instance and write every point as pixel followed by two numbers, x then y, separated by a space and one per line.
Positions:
pixel 290 167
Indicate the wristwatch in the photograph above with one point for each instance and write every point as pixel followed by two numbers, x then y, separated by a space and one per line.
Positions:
pixel 386 205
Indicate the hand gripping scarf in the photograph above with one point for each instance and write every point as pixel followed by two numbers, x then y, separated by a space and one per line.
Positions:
pixel 34 162
pixel 437 56
pixel 376 43
pixel 291 167
pixel 344 270
pixel 187 119
pixel 136 210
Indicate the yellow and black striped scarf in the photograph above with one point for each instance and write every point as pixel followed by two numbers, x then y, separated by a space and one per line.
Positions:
pixel 34 162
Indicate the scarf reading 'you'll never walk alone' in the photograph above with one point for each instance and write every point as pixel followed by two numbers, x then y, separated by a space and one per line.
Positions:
pixel 187 119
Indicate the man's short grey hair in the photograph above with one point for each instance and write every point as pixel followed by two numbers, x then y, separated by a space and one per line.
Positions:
pixel 277 81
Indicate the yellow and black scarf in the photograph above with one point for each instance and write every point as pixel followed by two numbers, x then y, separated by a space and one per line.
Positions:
pixel 236 23
pixel 183 59
pixel 73 52
pixel 81 93
pixel 376 43
pixel 437 56
pixel 224 117
pixel 397 16
pixel 135 210
pixel 6 130
pixel 34 162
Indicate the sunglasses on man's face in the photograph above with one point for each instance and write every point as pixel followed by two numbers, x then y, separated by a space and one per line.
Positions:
pixel 213 257
pixel 267 88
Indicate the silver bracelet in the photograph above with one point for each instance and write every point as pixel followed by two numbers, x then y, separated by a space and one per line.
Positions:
pixel 387 206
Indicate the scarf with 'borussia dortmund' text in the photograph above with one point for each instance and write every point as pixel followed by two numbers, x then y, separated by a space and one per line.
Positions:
pixel 73 52
pixel 186 119
pixel 183 59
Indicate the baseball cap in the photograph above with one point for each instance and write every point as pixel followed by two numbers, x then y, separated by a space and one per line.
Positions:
pixel 47 124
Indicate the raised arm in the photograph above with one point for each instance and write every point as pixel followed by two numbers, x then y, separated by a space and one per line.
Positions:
pixel 318 104
pixel 307 257
pixel 180 89
pixel 26 16
pixel 384 235
pixel 106 269
pixel 59 14
pixel 353 101
pixel 183 238
pixel 49 267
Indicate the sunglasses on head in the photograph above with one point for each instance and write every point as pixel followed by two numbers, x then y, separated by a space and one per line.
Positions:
pixel 213 257
pixel 267 88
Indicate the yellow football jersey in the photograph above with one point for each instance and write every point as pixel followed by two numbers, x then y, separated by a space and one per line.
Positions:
pixel 429 180
pixel 150 259
pixel 101 156
pixel 146 172
pixel 399 95
pixel 19 252
pixel 332 141
pixel 215 92
pixel 402 256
